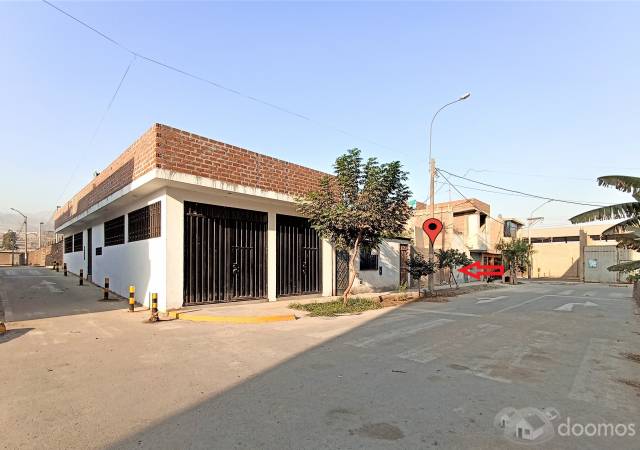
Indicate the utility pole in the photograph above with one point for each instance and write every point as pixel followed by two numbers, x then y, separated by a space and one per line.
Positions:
pixel 531 222
pixel 432 188
pixel 432 179
pixel 40 235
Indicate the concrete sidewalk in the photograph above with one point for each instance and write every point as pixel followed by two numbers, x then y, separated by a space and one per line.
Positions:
pixel 265 311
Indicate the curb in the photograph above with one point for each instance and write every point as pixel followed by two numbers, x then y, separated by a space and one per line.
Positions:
pixel 230 319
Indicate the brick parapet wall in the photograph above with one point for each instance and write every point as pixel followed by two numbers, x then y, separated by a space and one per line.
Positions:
pixel 175 150
pixel 189 153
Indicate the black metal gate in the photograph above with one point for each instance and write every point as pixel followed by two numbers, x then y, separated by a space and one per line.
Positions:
pixel 225 255
pixel 342 271
pixel 299 267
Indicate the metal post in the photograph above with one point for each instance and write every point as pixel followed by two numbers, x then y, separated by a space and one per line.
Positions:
pixel 105 295
pixel 154 308
pixel 64 269
pixel 40 235
pixel 132 298
pixel 81 279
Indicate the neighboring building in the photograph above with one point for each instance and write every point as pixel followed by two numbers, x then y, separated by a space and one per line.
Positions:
pixel 200 221
pixel 578 252
pixel 468 227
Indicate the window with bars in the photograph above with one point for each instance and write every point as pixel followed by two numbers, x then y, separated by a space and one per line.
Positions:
pixel 144 223
pixel 68 244
pixel 114 231
pixel 368 260
pixel 77 242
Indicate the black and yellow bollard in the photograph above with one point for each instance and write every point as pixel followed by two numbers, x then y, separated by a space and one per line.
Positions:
pixel 64 269
pixel 105 292
pixel 132 298
pixel 58 267
pixel 3 328
pixel 154 308
pixel 53 266
pixel 81 279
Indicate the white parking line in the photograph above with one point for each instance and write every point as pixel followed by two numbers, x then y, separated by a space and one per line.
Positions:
pixel 397 334
pixel 508 308
pixel 433 311
pixel 482 300
pixel 567 292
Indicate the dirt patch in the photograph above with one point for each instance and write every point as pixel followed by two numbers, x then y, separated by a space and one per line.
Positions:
pixel 438 296
pixel 631 383
pixel 384 431
pixel 632 356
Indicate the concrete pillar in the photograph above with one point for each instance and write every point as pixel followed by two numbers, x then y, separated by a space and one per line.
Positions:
pixel 173 236
pixel 272 260
pixel 328 268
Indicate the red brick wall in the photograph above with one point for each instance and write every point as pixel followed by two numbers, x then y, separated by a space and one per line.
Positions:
pixel 196 155
pixel 134 162
pixel 169 148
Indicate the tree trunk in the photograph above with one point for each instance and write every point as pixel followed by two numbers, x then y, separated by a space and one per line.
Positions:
pixel 454 279
pixel 352 272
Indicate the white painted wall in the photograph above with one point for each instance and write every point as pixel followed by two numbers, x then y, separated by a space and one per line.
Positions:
pixel 389 260
pixel 139 263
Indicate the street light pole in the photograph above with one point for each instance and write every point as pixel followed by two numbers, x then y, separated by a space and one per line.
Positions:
pixel 26 252
pixel 531 221
pixel 40 235
pixel 432 179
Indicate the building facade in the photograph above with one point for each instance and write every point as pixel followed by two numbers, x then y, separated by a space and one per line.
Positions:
pixel 199 221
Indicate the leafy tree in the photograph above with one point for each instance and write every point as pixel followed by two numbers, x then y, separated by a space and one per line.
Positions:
pixel 515 256
pixel 626 232
pixel 420 267
pixel 10 240
pixel 452 259
pixel 363 203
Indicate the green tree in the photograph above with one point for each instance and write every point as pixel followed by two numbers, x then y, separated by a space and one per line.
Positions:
pixel 362 204
pixel 452 259
pixel 9 240
pixel 420 267
pixel 515 256
pixel 626 232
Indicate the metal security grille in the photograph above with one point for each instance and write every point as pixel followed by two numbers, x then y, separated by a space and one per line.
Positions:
pixel 404 264
pixel 342 271
pixel 299 257
pixel 114 231
pixel 225 255
pixel 77 242
pixel 144 223
pixel 368 260
pixel 68 244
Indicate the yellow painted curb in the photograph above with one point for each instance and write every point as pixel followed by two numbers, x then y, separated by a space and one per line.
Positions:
pixel 230 319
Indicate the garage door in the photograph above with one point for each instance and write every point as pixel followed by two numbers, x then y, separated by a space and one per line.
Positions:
pixel 224 254
pixel 299 265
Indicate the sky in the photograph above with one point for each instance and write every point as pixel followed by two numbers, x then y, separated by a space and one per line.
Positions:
pixel 554 99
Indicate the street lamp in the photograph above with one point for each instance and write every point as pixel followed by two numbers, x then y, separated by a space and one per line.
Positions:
pixel 26 253
pixel 532 221
pixel 432 178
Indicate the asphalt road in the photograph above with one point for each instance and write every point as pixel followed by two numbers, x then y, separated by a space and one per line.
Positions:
pixel 81 374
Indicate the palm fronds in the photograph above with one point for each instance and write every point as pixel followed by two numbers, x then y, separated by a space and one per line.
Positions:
pixel 628 266
pixel 622 183
pixel 619 211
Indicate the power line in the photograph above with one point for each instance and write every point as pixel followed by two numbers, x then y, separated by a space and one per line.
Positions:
pixel 215 83
pixel 468 200
pixel 97 128
pixel 441 171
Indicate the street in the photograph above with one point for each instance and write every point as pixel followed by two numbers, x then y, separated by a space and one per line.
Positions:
pixel 78 373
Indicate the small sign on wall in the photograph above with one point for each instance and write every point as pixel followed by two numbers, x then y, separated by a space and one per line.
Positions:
pixel 592 263
pixel 98 251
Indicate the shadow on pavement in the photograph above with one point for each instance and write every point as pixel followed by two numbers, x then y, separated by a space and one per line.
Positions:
pixel 13 334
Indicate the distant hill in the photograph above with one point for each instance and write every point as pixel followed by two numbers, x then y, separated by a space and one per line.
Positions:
pixel 13 221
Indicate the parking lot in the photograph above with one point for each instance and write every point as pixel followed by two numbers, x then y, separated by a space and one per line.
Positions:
pixel 79 373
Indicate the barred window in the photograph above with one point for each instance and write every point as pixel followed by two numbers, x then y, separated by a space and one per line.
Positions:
pixel 114 231
pixel 68 244
pixel 368 260
pixel 144 223
pixel 77 242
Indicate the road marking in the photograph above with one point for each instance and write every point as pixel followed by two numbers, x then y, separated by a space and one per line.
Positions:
pixel 432 311
pixel 589 294
pixel 567 292
pixel 604 299
pixel 482 300
pixel 509 308
pixel 616 295
pixel 428 353
pixel 569 306
pixel 397 334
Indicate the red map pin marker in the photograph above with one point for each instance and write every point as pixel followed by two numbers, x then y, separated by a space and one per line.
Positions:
pixel 432 227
